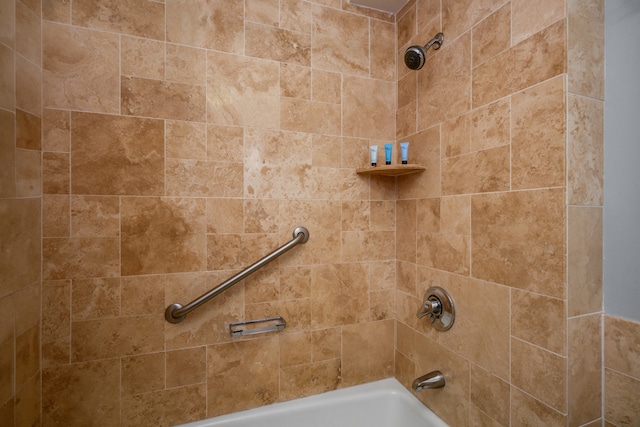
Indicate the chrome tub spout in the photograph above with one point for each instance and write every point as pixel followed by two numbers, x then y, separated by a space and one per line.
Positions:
pixel 433 379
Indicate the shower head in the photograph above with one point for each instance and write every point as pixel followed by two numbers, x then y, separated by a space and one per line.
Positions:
pixel 415 56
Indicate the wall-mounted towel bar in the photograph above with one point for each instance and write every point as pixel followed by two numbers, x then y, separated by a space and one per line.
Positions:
pixel 176 312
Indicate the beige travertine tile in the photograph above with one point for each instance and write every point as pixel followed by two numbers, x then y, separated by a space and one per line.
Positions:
pixel 455 215
pixel 491 125
pixel 262 286
pixel 20 244
pixel 529 18
pixel 547 331
pixel 7 154
pixel 585 150
pixel 529 226
pixel 28 173
pixel 310 116
pixel 355 215
pixel 162 235
pixel 621 398
pixel 7 350
pixel 404 370
pixel 242 91
pixel 95 216
pixel 142 58
pixel 142 295
pixel 540 373
pixel 490 169
pixel 260 216
pixel 28 402
pixel 71 392
pixel 56 130
pixel 27 355
pixel 368 108
pixel 277 44
pixel 142 374
pixel 407 90
pixel 81 257
pixel 585 369
pixel 407 277
pixel 222 26
pixel 161 99
pixel 448 252
pixel 339 295
pixel 270 147
pixel 56 323
pixel 492 35
pixel 326 344
pixel 383 216
pixel 428 10
pixel 7 16
pixel 424 149
pixel 538 136
pixel 295 81
pixel 366 245
pixel 54 10
pixel 115 155
pixel 326 151
pixel 527 411
pixel 186 367
pixel 166 407
pixel 28 32
pixel 7 80
pixel 295 349
pixel 116 337
pixel 28 85
pixel 450 403
pixel 225 215
pixel 455 136
pixel 535 59
pixel 406 23
pixel 295 282
pixel 262 11
pixel 367 352
pixel 450 92
pixel 458 16
pixel 78 69
pixel 333 46
pixel 355 153
pixel 55 173
pixel 313 378
pixel 186 65
pixel 585 48
pixel 297 313
pixel 28 299
pixel 326 86
pixel 383 305
pixel 229 365
pixel 225 143
pixel 95 298
pixel 382 52
pixel 142 19
pixel 406 238
pixel 479 418
pixel 28 131
pixel 622 345
pixel 490 394
pixel 197 178
pixel 406 120
pixel 481 336
pixel 295 15
pixel 584 260
pixel 186 140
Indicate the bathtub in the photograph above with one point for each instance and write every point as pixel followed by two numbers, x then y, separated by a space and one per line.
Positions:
pixel 384 403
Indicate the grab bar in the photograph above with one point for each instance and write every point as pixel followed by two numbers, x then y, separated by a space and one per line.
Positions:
pixel 176 313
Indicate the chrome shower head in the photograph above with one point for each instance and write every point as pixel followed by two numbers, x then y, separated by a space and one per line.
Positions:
pixel 415 56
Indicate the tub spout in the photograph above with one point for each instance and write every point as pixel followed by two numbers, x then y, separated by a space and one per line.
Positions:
pixel 433 379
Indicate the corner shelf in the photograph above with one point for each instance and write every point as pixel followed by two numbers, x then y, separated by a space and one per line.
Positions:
pixel 391 170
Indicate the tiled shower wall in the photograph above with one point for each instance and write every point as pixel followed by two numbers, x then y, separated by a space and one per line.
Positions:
pixel 20 207
pixel 184 140
pixel 508 117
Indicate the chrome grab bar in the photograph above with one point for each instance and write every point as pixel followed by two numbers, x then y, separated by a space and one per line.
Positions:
pixel 175 313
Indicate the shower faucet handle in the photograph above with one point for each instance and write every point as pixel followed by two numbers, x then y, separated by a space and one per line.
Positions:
pixel 438 305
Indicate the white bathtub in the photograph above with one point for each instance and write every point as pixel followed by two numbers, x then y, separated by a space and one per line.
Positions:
pixel 382 403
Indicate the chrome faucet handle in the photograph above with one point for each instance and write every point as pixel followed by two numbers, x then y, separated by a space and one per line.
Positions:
pixel 438 305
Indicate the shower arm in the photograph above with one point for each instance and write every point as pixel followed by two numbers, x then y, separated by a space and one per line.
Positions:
pixel 437 40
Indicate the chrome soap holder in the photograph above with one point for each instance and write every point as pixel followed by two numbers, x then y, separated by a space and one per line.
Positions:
pixel 258 326
pixel 438 305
